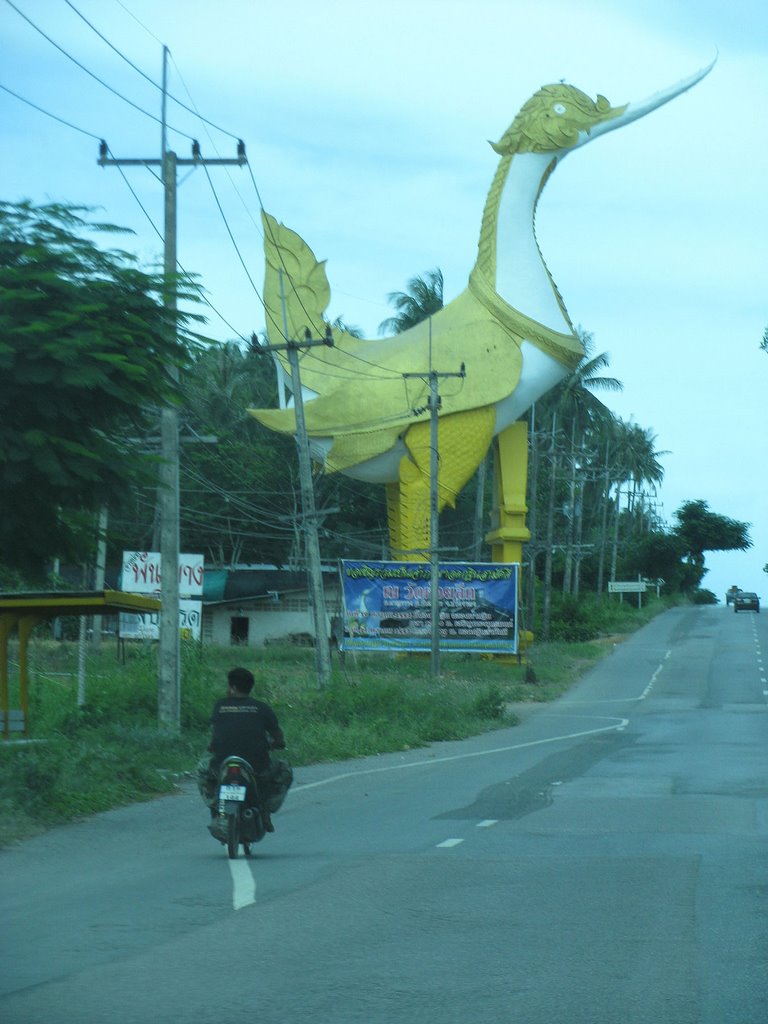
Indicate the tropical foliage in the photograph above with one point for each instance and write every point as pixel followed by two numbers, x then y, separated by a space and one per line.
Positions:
pixel 423 298
pixel 88 352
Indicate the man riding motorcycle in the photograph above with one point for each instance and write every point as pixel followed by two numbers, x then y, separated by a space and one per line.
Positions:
pixel 247 728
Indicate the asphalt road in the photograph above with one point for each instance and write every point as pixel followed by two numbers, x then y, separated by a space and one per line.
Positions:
pixel 605 862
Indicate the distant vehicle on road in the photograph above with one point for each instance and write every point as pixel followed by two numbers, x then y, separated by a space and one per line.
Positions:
pixel 746 601
pixel 730 593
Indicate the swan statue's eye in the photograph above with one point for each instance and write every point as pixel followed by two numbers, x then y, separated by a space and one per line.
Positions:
pixel 559 108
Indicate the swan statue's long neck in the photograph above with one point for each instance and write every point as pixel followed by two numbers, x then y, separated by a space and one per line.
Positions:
pixel 510 276
pixel 509 259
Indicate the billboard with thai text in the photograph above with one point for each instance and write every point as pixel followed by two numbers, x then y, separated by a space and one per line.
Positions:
pixel 388 606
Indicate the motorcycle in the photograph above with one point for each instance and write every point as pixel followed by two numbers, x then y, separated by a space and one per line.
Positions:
pixel 240 818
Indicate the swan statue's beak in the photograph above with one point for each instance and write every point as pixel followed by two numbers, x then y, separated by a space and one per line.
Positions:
pixel 633 111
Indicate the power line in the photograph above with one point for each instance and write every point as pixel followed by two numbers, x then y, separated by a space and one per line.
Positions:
pixel 351 355
pixel 144 75
pixel 232 237
pixel 91 73
pixel 139 22
pixel 47 113
pixel 143 209
pixel 130 188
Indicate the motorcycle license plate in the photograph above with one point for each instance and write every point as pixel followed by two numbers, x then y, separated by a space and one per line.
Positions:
pixel 228 792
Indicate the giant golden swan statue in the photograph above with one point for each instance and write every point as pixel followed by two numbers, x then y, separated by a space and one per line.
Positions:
pixel 508 333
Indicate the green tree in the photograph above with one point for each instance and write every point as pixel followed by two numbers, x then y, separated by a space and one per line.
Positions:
pixel 238 495
pixel 87 353
pixel 423 298
pixel 700 530
pixel 660 556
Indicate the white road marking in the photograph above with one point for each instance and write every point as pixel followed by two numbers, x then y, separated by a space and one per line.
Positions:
pixel 649 687
pixel 446 844
pixel 487 823
pixel 621 723
pixel 244 884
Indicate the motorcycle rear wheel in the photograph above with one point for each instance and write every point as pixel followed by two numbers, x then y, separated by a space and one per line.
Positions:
pixel 233 835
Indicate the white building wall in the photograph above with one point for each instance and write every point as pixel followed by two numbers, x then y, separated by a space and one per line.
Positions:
pixel 261 626
pixel 266 620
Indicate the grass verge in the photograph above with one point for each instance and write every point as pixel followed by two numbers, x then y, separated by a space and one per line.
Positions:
pixel 109 752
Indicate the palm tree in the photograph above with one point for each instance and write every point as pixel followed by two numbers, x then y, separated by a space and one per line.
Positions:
pixel 573 398
pixel 583 417
pixel 423 299
pixel 634 462
pixel 352 330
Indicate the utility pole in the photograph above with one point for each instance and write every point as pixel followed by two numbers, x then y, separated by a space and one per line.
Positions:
pixel 432 376
pixel 169 674
pixel 101 565
pixel 309 517
pixel 477 528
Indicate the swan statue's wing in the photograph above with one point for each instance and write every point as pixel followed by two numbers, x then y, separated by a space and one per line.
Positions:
pixel 295 280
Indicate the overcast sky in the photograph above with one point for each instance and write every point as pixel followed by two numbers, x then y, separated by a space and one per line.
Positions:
pixel 367 128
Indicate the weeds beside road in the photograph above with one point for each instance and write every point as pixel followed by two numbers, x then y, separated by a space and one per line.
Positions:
pixel 110 752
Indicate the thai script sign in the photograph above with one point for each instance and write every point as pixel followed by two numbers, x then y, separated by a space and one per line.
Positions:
pixel 388 606
pixel 142 573
pixel 146 626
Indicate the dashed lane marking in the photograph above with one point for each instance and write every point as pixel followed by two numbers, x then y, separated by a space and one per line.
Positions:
pixel 243 884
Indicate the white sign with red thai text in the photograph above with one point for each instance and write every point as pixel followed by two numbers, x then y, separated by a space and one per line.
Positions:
pixel 142 573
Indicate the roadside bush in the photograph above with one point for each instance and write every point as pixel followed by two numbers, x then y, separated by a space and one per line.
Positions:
pixel 704 597
pixel 573 621
pixel 489 703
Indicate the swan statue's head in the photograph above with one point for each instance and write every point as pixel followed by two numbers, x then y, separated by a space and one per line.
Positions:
pixel 559 118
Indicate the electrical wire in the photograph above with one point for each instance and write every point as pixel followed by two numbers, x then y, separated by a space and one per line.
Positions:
pixel 263 303
pixel 352 355
pixel 146 76
pixel 47 113
pixel 138 21
pixel 91 73
pixel 130 188
pixel 203 297
pixel 194 109
pixel 276 517
pixel 143 209
pixel 231 236
pixel 308 353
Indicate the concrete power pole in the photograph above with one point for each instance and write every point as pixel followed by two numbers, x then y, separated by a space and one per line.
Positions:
pixel 309 519
pixel 169 668
pixel 434 489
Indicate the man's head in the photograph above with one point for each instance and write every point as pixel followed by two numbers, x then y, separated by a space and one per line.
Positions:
pixel 240 681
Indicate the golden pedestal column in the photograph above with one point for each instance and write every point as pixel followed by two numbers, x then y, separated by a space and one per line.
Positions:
pixel 511 480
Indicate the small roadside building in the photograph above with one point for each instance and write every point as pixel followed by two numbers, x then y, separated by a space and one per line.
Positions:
pixel 254 605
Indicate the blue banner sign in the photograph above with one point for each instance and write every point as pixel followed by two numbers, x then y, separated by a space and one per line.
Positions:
pixel 387 606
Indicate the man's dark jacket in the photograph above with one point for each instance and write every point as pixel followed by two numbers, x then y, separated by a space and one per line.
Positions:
pixel 244 726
